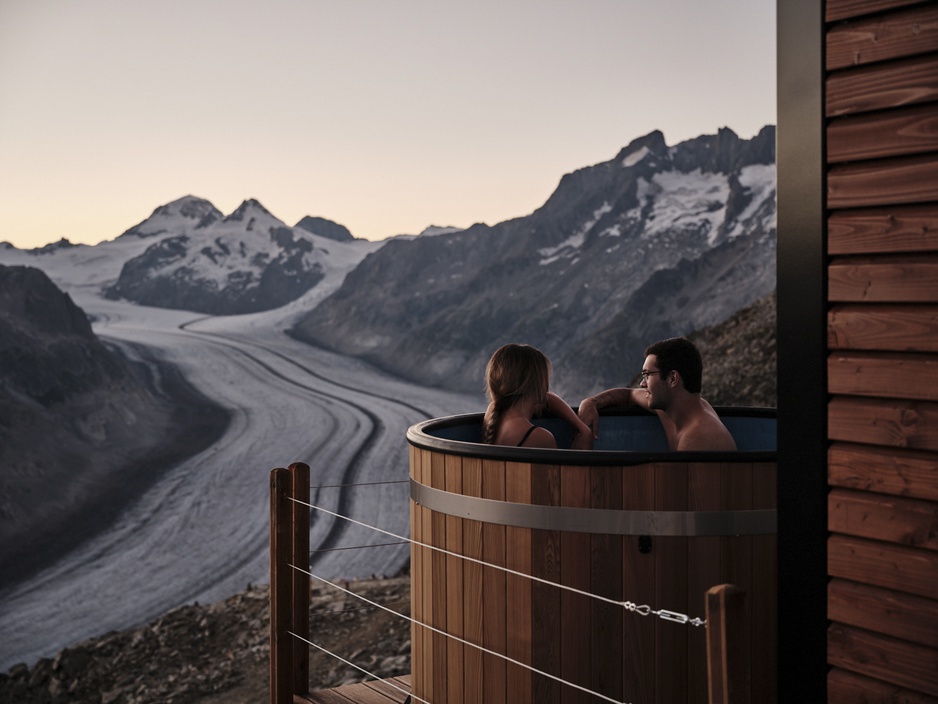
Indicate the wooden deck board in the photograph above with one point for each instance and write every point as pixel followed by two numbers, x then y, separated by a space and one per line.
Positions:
pixel 372 692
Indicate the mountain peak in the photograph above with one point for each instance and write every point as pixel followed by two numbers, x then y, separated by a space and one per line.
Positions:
pixel 638 149
pixel 182 214
pixel 325 228
pixel 248 207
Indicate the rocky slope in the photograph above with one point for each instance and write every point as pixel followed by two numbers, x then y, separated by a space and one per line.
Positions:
pixel 80 426
pixel 219 653
pixel 658 241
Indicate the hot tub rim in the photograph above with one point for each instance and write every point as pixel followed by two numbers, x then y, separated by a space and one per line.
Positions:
pixel 419 437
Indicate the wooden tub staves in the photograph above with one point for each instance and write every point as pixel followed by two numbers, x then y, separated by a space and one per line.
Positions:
pixel 628 521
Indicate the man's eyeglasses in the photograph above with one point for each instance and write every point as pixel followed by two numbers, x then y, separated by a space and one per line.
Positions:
pixel 646 373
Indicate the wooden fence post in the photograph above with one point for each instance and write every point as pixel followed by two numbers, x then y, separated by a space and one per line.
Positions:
pixel 728 648
pixel 281 586
pixel 301 580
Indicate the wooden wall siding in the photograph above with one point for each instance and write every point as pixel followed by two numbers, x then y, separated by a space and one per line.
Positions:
pixel 835 10
pixel 904 33
pixel 898 132
pixel 596 645
pixel 908 278
pixel 881 101
pixel 883 470
pixel 895 327
pixel 883 230
pixel 903 376
pixel 882 87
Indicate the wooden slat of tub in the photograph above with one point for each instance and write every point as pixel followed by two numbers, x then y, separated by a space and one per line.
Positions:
pixel 455 586
pixel 703 563
pixel 545 564
pixel 494 596
pixel 575 572
pixel 639 679
pixel 439 585
pixel 518 558
pixel 606 580
pixel 764 597
pixel 472 585
pixel 736 550
pixel 416 577
pixel 426 590
pixel 671 587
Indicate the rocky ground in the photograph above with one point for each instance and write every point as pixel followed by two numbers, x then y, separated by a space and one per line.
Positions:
pixel 219 653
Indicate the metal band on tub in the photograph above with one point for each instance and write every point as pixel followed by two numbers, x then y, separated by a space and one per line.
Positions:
pixel 595 520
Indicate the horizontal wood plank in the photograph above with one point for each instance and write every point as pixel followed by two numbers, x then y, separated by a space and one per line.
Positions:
pixel 898 278
pixel 903 569
pixel 850 688
pixel 887 471
pixel 880 135
pixel 908 228
pixel 905 616
pixel 886 327
pixel 885 658
pixel 884 375
pixel 835 10
pixel 891 519
pixel 882 38
pixel 902 180
pixel 882 86
pixel 911 424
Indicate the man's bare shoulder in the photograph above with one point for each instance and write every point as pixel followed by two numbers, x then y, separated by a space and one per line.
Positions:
pixel 706 434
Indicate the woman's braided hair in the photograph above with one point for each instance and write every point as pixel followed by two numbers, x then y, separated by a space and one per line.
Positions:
pixel 514 373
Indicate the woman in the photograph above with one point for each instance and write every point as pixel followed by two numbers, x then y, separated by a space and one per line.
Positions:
pixel 517 380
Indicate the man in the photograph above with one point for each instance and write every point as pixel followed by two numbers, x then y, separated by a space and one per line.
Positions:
pixel 670 386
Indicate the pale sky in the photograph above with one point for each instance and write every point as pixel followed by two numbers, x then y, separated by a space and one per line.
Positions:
pixel 386 116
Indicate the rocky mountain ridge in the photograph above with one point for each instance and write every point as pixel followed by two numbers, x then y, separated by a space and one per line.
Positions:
pixel 658 241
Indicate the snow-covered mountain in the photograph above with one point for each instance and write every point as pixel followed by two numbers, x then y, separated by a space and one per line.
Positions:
pixel 658 241
pixel 246 262
pixel 189 256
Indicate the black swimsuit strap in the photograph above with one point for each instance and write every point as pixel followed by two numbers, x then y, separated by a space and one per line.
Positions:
pixel 530 430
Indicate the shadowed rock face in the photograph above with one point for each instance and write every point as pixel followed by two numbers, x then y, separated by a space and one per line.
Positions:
pixel 658 241
pixel 75 417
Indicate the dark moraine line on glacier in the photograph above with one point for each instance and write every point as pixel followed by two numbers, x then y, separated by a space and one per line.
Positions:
pixel 306 369
pixel 338 526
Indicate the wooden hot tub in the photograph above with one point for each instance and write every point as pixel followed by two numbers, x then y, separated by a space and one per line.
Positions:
pixel 628 521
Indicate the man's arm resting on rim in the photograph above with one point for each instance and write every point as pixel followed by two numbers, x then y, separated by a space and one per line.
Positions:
pixel 589 407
